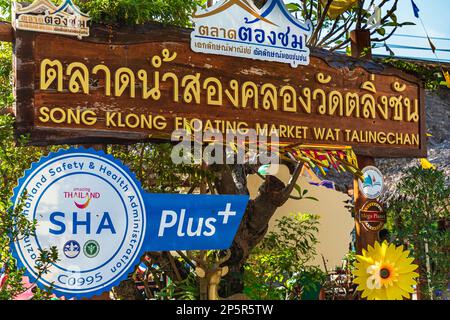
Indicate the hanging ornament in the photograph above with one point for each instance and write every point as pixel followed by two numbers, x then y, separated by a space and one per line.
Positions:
pixel 338 7
pixel 447 78
pixel 374 20
pixel 323 158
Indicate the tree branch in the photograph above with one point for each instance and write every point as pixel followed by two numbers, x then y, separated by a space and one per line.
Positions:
pixel 359 16
pixel 322 17
pixel 293 182
pixel 385 38
pixel 344 26
pixel 347 41
pixel 330 33
pixel 231 179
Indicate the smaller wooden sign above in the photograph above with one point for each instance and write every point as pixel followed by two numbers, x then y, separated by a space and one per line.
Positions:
pixel 44 16
pixel 239 29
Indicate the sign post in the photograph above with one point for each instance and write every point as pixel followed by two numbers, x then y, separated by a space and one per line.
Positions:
pixel 361 48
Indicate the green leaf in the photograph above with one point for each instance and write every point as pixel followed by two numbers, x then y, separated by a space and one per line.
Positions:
pixel 293 7
pixel 407 24
pixel 391 24
pixel 393 16
pixel 381 31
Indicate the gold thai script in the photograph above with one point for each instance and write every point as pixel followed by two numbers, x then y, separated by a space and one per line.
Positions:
pixel 197 89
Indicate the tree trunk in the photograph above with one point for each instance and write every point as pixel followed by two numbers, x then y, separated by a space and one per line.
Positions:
pixel 254 225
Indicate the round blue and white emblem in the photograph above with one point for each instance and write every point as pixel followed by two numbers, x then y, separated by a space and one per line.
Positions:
pixel 373 183
pixel 71 249
pixel 90 207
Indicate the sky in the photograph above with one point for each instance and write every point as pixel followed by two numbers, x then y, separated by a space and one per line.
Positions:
pixel 435 15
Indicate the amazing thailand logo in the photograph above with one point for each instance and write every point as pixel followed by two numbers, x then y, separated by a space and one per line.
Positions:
pixel 237 28
pixel 82 197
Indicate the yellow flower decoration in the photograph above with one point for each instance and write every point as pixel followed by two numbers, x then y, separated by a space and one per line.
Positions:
pixel 427 164
pixel 384 272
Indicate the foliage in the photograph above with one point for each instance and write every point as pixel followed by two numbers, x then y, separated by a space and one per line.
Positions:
pixel 6 97
pixel 154 168
pixel 417 217
pixel 431 75
pixel 339 284
pixel 130 12
pixel 13 225
pixel 187 289
pixel 278 268
pixel 332 33
pixel 5 9
pixel 14 160
pixel 134 12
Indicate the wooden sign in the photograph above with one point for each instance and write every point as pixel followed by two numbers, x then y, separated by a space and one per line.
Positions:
pixel 139 84
pixel 44 16
pixel 372 216
pixel 239 29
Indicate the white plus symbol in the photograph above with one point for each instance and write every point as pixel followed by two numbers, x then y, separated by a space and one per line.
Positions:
pixel 227 213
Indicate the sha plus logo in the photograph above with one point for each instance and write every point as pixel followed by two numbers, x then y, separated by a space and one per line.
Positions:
pixel 90 207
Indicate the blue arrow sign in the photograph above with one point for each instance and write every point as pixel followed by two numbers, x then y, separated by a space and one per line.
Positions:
pixel 192 222
pixel 93 209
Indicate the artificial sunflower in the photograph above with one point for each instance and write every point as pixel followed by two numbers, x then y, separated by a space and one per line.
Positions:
pixel 384 272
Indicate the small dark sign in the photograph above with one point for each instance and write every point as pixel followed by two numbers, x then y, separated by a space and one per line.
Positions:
pixel 372 216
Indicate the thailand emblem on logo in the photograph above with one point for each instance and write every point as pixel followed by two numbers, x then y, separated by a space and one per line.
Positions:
pixel 44 16
pixel 71 249
pixel 237 28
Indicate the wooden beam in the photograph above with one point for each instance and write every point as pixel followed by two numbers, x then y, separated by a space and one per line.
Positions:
pixel 364 237
pixel 361 44
pixel 6 32
pixel 361 48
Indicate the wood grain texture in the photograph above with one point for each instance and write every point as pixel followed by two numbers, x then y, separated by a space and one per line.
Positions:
pixel 133 47
pixel 6 32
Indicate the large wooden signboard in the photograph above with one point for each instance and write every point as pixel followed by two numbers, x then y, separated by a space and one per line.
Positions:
pixel 130 85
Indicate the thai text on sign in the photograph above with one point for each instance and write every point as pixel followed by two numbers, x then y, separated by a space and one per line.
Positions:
pixel 146 89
